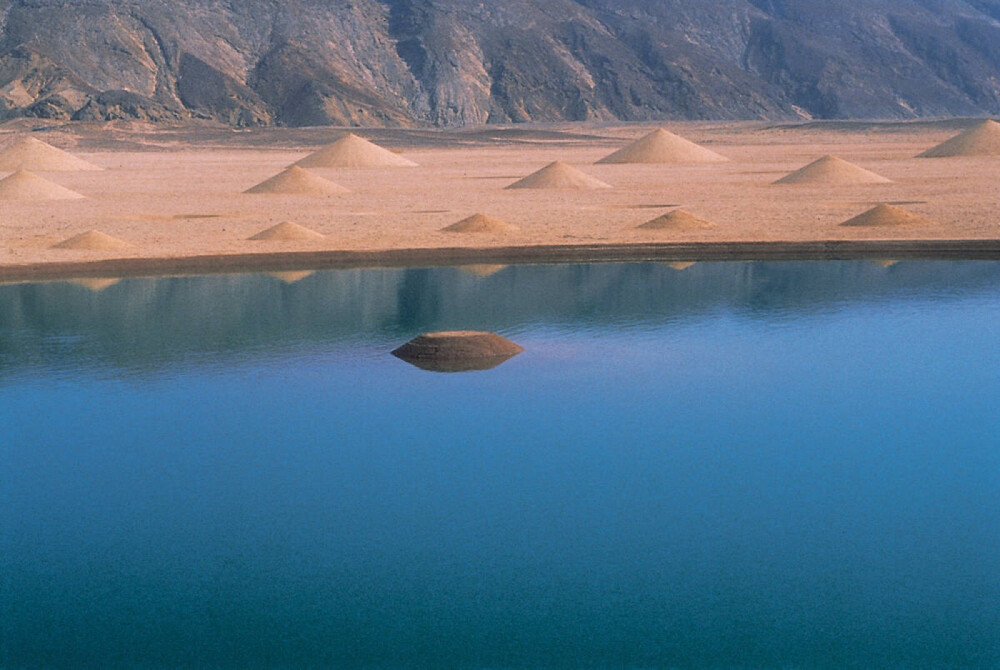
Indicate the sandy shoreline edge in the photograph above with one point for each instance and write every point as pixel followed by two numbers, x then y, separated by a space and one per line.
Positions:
pixel 814 250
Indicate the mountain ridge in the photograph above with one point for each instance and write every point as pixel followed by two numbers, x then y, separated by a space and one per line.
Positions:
pixel 466 62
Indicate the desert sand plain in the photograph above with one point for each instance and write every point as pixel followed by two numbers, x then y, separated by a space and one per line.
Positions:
pixel 176 197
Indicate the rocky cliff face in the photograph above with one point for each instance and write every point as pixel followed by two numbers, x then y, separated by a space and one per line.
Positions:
pixel 450 62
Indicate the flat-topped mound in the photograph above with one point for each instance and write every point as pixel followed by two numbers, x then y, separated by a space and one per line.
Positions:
pixel 297 181
pixel 559 175
pixel 291 276
pixel 23 185
pixel 677 220
pixel 680 266
pixel 481 223
pixel 980 140
pixel 286 231
pixel 29 153
pixel 95 284
pixel 481 270
pixel 833 171
pixel 457 350
pixel 661 146
pixel 353 151
pixel 93 240
pixel 888 215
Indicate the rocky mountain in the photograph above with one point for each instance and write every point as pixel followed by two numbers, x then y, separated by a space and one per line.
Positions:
pixel 453 62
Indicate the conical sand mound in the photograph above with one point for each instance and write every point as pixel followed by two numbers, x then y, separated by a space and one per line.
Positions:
pixel 31 154
pixel 23 185
pixel 291 276
pixel 677 220
pixel 286 231
pixel 457 351
pixel 297 181
pixel 661 146
pixel 835 171
pixel 93 240
pixel 353 151
pixel 981 140
pixel 480 223
pixel 559 175
pixel 888 215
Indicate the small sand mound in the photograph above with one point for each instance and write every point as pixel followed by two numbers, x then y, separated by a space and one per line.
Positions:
pixel 885 262
pixel 481 270
pixel 353 151
pixel 23 185
pixel 297 181
pixel 680 266
pixel 980 140
pixel 457 351
pixel 888 215
pixel 831 170
pixel 31 154
pixel 95 284
pixel 286 231
pixel 559 175
pixel 661 146
pixel 677 220
pixel 93 240
pixel 291 276
pixel 480 223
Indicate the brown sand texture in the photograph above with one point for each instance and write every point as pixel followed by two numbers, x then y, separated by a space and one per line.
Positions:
pixel 176 195
pixel 297 181
pixel 888 215
pixel 24 185
pixel 559 175
pixel 287 231
pixel 93 240
pixel 29 153
pixel 352 151
pixel 481 223
pixel 980 140
pixel 677 220
pixel 833 171
pixel 663 147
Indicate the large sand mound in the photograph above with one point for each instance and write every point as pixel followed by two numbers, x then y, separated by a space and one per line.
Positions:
pixel 833 171
pixel 457 351
pixel 93 240
pixel 661 146
pixel 559 175
pixel 286 231
pixel 480 223
pixel 297 181
pixel 677 220
pixel 888 215
pixel 23 185
pixel 353 151
pixel 980 140
pixel 31 154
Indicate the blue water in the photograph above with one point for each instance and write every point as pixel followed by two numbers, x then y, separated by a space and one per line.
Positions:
pixel 738 465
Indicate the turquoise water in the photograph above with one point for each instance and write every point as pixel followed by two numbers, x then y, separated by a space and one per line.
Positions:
pixel 754 465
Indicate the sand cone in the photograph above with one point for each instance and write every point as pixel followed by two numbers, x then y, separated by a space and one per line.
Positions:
pixel 353 151
pixel 661 146
pixel 297 181
pixel 93 240
pixel 677 220
pixel 31 154
pixel 286 231
pixel 291 276
pixel 23 185
pixel 886 216
pixel 980 140
pixel 559 175
pixel 831 170
pixel 481 270
pixel 680 266
pixel 480 223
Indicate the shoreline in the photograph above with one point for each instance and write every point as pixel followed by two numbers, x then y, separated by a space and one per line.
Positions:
pixel 813 250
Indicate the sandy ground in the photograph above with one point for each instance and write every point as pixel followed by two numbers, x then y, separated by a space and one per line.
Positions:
pixel 176 193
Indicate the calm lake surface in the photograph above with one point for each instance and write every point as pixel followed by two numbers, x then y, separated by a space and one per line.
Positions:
pixel 752 465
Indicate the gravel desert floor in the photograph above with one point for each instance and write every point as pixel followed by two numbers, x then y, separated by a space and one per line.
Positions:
pixel 174 196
